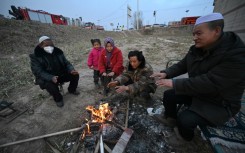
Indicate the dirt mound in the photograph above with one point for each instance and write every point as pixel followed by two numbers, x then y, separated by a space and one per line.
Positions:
pixel 19 38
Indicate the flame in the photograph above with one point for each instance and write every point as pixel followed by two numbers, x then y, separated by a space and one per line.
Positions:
pixel 101 114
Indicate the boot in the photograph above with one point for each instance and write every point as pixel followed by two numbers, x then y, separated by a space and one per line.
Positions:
pixel 169 121
pixel 60 103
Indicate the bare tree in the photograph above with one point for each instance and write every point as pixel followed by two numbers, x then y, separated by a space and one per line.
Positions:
pixel 140 20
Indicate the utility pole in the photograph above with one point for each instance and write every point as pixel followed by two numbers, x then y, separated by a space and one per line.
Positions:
pixel 137 15
pixel 128 15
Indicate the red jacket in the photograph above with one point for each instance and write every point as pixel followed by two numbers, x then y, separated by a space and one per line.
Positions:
pixel 116 61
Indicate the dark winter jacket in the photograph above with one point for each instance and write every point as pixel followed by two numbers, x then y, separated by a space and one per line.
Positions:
pixel 141 79
pixel 43 68
pixel 216 78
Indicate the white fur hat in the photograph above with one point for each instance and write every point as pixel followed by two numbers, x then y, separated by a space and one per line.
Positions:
pixel 209 17
pixel 41 39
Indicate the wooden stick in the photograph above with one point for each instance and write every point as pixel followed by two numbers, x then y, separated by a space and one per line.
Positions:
pixel 127 110
pixel 101 145
pixel 107 148
pixel 42 136
pixel 97 147
pixel 53 149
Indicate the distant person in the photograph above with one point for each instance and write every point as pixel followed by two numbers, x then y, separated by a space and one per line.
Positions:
pixel 213 91
pixel 51 68
pixel 136 79
pixel 110 63
pixel 93 60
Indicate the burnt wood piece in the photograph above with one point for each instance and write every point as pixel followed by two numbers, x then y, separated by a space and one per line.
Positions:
pixel 126 119
pixel 122 142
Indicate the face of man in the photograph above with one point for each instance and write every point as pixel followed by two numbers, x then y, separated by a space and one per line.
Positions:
pixel 47 43
pixel 204 37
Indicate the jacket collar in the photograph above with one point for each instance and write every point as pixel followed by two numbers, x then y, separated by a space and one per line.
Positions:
pixel 39 52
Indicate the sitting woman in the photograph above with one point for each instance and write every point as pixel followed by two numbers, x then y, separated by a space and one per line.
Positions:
pixel 136 79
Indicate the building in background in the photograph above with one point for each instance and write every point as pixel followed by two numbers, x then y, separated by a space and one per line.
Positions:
pixel 234 14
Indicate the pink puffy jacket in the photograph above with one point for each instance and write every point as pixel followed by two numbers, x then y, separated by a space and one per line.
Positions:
pixel 93 58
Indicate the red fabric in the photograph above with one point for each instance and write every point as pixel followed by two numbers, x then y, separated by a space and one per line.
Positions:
pixel 116 61
pixel 93 58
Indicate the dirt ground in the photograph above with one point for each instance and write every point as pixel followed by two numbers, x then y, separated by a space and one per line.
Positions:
pixel 17 41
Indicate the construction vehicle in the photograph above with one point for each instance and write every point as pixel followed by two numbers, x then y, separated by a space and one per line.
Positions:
pixel 37 15
pixel 189 20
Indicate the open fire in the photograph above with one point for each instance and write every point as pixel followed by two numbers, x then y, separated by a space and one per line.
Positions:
pixel 100 115
pixel 103 126
pixel 120 126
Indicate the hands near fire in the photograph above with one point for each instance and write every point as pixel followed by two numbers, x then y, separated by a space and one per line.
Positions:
pixel 120 89
pixel 165 83
pixel 161 81
pixel 112 84
pixel 159 75
pixel 109 74
pixel 55 79
pixel 74 72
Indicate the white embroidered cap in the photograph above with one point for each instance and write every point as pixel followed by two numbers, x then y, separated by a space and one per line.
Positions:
pixel 41 39
pixel 209 17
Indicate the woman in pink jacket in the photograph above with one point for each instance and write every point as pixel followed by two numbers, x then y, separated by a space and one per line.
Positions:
pixel 93 60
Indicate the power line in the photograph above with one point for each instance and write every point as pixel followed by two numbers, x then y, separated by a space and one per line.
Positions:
pixel 173 8
pixel 113 13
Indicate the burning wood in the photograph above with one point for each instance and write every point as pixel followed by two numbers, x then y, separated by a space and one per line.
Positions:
pixel 100 125
pixel 101 114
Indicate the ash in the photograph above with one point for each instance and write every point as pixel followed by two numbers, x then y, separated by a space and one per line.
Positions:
pixel 148 136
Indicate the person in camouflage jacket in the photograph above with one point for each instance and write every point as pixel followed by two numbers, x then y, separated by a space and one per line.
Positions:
pixel 135 80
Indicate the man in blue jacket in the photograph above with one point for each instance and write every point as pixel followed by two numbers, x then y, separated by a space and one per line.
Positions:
pixel 213 91
pixel 51 68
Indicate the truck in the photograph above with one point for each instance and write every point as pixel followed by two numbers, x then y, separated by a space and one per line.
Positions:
pixel 189 20
pixel 37 15
pixel 89 25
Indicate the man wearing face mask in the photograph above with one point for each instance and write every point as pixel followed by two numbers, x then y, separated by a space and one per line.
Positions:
pixel 51 68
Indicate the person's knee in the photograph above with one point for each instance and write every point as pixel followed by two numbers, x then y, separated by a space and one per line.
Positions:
pixel 186 119
pixel 75 77
pixel 168 96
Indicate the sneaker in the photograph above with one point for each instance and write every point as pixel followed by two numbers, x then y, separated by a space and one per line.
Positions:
pixel 75 93
pixel 60 103
pixel 171 122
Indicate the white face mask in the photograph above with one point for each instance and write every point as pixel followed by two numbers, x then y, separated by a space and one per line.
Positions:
pixel 49 49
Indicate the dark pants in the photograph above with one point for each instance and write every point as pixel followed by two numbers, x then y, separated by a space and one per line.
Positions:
pixel 96 76
pixel 105 80
pixel 53 88
pixel 187 120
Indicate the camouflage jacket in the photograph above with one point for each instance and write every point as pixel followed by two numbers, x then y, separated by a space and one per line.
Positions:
pixel 140 78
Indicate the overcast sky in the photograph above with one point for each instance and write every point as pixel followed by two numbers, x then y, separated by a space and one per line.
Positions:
pixel 104 12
